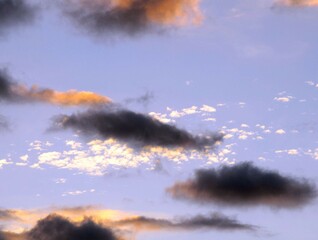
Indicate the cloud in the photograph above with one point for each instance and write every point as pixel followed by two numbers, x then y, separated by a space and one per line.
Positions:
pixel 10 91
pixel 131 17
pixel 214 221
pixel 297 3
pixel 14 13
pixel 65 223
pixel 133 127
pixel 244 185
pixel 55 227
pixel 6 215
pixel 11 236
pixel 3 123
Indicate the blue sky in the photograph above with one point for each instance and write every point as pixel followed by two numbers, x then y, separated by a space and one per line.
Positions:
pixel 248 70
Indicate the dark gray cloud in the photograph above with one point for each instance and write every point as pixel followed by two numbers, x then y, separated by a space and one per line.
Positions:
pixel 244 185
pixel 215 221
pixel 129 126
pixel 130 17
pixel 14 13
pixel 55 227
pixel 11 91
pixel 6 84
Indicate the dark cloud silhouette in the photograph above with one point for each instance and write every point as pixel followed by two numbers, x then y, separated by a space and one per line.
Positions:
pixel 11 91
pixel 130 17
pixel 139 128
pixel 15 13
pixel 244 185
pixel 55 227
pixel 215 221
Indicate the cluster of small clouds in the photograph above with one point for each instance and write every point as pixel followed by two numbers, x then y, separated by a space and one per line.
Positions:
pixel 93 223
pixel 172 115
pixel 97 157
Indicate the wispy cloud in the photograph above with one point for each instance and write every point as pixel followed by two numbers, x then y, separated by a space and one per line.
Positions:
pixel 244 185
pixel 214 221
pixel 10 91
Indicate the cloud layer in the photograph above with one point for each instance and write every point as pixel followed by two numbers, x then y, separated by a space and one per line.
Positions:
pixel 81 223
pixel 15 13
pixel 130 16
pixel 11 91
pixel 298 3
pixel 133 127
pixel 214 221
pixel 244 185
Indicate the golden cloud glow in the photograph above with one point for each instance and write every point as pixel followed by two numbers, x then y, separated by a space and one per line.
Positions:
pixel 69 98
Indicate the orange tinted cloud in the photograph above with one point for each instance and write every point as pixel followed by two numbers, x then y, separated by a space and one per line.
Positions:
pixel 132 16
pixel 15 92
pixel 68 98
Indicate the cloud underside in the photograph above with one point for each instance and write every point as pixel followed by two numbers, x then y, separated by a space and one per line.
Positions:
pixel 10 91
pixel 140 129
pixel 15 13
pixel 244 185
pixel 297 3
pixel 88 223
pixel 131 17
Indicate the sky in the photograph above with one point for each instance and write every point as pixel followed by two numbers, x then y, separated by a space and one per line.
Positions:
pixel 158 119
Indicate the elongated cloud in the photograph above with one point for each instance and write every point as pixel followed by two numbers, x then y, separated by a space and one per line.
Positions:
pixel 11 91
pixel 15 13
pixel 244 185
pixel 55 227
pixel 297 3
pixel 215 221
pixel 131 16
pixel 129 126
pixel 62 223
